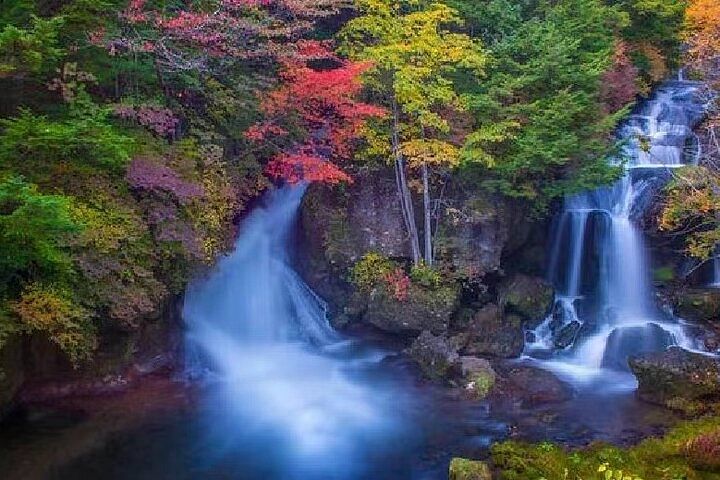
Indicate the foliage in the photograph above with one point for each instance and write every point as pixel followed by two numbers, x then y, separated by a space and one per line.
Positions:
pixel 34 230
pixel 371 269
pixel 398 284
pixel 426 276
pixel 52 311
pixel 25 51
pixel 657 458
pixel 321 103
pixel 542 130
pixel 703 451
pixel 691 206
pixel 36 145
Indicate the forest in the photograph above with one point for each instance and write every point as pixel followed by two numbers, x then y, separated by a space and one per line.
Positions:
pixel 439 146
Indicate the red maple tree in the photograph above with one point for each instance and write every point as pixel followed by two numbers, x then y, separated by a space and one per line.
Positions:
pixel 324 102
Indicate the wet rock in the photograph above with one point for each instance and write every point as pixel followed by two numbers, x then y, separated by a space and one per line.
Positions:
pixel 529 297
pixel 437 356
pixel 530 387
pixel 478 375
pixel 699 305
pixel 626 341
pixel 567 334
pixel 464 469
pixel 678 379
pixel 424 309
pixel 490 333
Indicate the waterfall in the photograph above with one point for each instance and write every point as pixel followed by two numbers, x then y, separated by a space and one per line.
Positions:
pixel 284 388
pixel 604 309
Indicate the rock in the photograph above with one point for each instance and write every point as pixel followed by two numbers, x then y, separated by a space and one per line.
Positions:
pixel 636 340
pixel 11 372
pixel 338 226
pixel 567 334
pixel 424 309
pixel 436 355
pixel 530 387
pixel 678 379
pixel 478 375
pixel 699 305
pixel 529 297
pixel 464 469
pixel 473 234
pixel 492 334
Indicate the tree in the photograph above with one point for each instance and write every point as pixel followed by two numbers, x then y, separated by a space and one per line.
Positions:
pixel 416 54
pixel 322 104
pixel 34 233
pixel 542 131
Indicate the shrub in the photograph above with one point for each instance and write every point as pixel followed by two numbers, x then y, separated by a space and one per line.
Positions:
pixel 426 276
pixel 370 270
pixel 703 451
pixel 50 310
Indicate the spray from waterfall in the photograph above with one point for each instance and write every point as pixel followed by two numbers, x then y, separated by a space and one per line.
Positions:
pixel 284 383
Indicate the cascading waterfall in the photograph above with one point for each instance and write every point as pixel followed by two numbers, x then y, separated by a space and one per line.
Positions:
pixel 604 310
pixel 285 390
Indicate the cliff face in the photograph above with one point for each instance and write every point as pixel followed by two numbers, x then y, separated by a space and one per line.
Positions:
pixel 481 241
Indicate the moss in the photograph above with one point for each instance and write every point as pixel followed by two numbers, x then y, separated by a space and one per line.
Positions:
pixel 464 469
pixel 482 383
pixel 664 274
pixel 653 459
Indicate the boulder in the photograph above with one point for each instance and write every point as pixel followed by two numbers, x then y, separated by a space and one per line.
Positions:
pixel 478 375
pixel 424 309
pixel 437 356
pixel 529 297
pixel 472 236
pixel 678 379
pixel 529 387
pixel 490 333
pixel 338 226
pixel 698 305
pixel 567 334
pixel 464 469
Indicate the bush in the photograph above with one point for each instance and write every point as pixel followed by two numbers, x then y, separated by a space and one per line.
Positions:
pixel 703 451
pixel 51 310
pixel 426 276
pixel 370 270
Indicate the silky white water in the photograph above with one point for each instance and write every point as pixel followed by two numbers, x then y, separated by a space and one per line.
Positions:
pixel 285 386
pixel 604 308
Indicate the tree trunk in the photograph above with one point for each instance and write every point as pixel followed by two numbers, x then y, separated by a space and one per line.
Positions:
pixel 406 204
pixel 426 214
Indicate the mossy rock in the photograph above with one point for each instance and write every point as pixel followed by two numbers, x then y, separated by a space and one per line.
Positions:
pixel 699 305
pixel 479 376
pixel 436 355
pixel 490 333
pixel 464 469
pixel 529 297
pixel 678 379
pixel 424 309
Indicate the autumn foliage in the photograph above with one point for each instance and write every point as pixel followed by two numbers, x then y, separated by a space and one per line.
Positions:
pixel 323 104
pixel 703 34
pixel 619 84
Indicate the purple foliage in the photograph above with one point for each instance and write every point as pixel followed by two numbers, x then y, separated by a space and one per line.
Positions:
pixel 146 175
pixel 184 234
pixel 159 212
pixel 161 121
